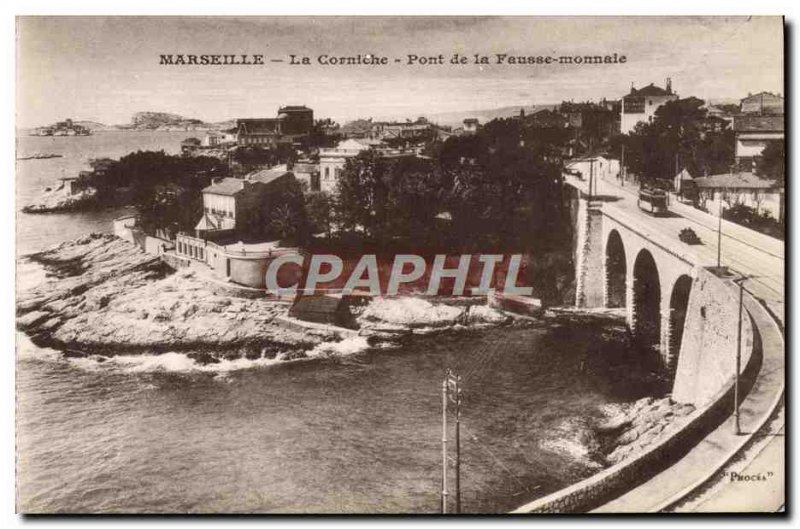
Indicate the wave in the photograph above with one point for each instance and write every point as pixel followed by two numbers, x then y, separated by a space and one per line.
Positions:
pixel 174 362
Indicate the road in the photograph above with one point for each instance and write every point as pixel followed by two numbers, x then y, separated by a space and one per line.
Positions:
pixel 759 257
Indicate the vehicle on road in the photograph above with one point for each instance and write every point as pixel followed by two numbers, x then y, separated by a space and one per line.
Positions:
pixel 688 236
pixel 654 201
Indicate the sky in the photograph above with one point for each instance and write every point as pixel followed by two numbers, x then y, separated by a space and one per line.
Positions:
pixel 106 68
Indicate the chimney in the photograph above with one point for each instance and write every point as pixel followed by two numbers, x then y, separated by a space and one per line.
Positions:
pixel 669 85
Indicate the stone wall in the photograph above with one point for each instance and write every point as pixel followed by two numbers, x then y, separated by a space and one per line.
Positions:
pixel 123 227
pixel 622 477
pixel 707 355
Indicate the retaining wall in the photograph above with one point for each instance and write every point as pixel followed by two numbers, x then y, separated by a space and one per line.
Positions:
pixel 618 479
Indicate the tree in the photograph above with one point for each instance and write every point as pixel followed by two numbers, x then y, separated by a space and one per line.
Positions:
pixel 361 194
pixel 165 189
pixel 281 213
pixel 252 156
pixel 772 163
pixel 681 135
pixel 319 208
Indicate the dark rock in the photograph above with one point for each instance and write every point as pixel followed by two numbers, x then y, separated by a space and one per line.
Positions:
pixel 204 358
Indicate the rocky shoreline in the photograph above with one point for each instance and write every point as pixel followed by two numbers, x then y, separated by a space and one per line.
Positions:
pixel 104 296
pixel 54 200
pixel 629 429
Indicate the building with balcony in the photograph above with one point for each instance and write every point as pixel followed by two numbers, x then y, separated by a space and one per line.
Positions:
pixel 640 106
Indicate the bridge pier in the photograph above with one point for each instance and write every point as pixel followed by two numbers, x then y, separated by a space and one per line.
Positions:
pixel 589 258
pixel 664 344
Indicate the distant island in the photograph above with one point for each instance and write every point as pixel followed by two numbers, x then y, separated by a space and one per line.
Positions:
pixel 157 121
pixel 63 128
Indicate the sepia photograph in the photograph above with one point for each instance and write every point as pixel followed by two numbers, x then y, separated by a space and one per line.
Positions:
pixel 371 265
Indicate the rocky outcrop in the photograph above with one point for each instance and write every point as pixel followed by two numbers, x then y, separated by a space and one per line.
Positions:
pixel 56 199
pixel 105 296
pixel 629 429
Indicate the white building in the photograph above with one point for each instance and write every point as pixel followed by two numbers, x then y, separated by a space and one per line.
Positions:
pixel 754 133
pixel 599 166
pixel 332 161
pixel 740 188
pixel 640 106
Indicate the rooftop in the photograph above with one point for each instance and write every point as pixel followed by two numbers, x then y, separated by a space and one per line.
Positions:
pixel 650 90
pixel 226 186
pixel 259 125
pixel 749 123
pixel 305 167
pixel 267 176
pixel 734 181
pixel 761 95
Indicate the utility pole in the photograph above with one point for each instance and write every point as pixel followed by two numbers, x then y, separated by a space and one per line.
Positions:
pixel 591 177
pixel 719 233
pixel 622 165
pixel 451 392
pixel 458 444
pixel 444 443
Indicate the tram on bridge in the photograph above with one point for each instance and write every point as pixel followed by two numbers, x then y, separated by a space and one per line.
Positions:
pixel 654 201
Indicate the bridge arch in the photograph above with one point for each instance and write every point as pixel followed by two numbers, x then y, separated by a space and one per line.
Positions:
pixel 646 306
pixel 615 271
pixel 678 304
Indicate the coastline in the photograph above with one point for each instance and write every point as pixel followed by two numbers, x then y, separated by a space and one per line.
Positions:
pixel 103 300
pixel 104 296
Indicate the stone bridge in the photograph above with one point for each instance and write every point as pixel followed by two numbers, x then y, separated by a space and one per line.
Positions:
pixel 682 316
pixel 621 266
pixel 683 305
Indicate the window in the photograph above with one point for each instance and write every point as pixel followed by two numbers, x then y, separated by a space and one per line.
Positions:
pixel 327 172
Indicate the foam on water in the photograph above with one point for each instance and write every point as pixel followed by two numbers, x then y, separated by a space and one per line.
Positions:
pixel 174 362
pixel 346 347
pixel 27 350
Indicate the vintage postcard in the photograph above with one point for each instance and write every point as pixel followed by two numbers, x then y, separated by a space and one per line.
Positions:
pixel 400 265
